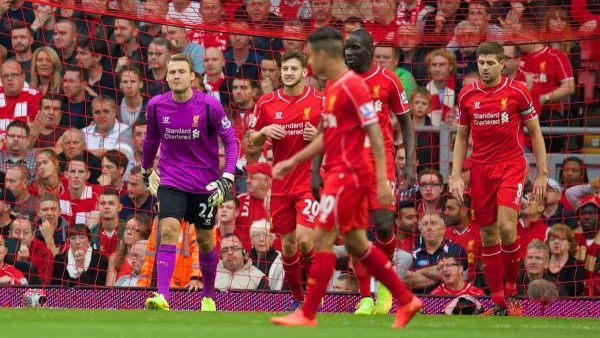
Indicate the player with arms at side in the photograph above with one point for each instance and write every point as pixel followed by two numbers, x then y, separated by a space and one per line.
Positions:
pixel 186 124
pixel 288 117
pixel 388 97
pixel 495 111
pixel 348 117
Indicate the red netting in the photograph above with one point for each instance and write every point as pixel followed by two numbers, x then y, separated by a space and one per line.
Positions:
pixel 74 157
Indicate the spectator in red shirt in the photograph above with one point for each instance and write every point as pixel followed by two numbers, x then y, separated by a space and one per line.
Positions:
pixel 243 92
pixel 531 225
pixel 212 13
pixel 453 283
pixel 384 26
pixel 460 230
pixel 32 250
pixel 106 233
pixel 16 101
pixel 549 76
pixel 80 199
pixel 16 180
pixel 80 265
pixel 512 58
pixel 119 263
pixel 9 275
pixel 252 206
pixel 441 65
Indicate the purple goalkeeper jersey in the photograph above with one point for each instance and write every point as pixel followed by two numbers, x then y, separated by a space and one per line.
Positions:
pixel 187 134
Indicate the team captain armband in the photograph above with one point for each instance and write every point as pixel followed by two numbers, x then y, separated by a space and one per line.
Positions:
pixel 529 113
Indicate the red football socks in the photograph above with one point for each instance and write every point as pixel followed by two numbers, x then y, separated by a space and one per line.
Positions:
pixel 293 269
pixel 318 279
pixel 511 257
pixel 493 271
pixel 387 245
pixel 363 277
pixel 383 270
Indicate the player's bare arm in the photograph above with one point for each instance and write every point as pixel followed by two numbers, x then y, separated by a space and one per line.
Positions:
pixel 384 192
pixel 455 181
pixel 284 167
pixel 539 150
pixel 408 138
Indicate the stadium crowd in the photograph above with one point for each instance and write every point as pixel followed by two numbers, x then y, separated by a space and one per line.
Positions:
pixel 74 210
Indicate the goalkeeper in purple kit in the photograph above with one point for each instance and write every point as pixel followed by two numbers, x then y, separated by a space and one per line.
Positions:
pixel 186 125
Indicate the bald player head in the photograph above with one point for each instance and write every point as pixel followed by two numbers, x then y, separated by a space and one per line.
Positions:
pixel 358 50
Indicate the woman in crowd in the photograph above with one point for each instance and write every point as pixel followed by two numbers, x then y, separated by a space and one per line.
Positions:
pixel 563 266
pixel 46 70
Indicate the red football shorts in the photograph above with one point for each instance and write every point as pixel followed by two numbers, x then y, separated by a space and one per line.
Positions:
pixel 344 206
pixel 496 184
pixel 289 210
pixel 391 176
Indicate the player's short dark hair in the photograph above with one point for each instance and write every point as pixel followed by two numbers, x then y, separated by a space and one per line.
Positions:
pixel 19 124
pixel 327 39
pixel 83 75
pixel 117 158
pixel 364 36
pixel 110 191
pixel 293 54
pixel 270 56
pixel 490 48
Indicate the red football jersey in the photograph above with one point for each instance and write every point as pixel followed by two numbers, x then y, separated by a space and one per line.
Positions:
pixel 23 107
pixel 468 289
pixel 348 109
pixel 495 116
pixel 387 34
pixel 388 97
pixel 251 209
pixel 289 12
pixel 549 67
pixel 292 113
pixel 470 240
pixel 16 276
pixel 108 244
pixel 208 39
pixel 77 210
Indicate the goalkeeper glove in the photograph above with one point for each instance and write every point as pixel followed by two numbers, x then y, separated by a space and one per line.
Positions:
pixel 220 187
pixel 151 180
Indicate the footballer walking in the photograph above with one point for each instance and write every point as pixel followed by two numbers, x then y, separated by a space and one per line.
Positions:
pixel 186 124
pixel 495 110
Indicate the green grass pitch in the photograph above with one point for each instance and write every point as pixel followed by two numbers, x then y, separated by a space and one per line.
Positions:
pixel 132 324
